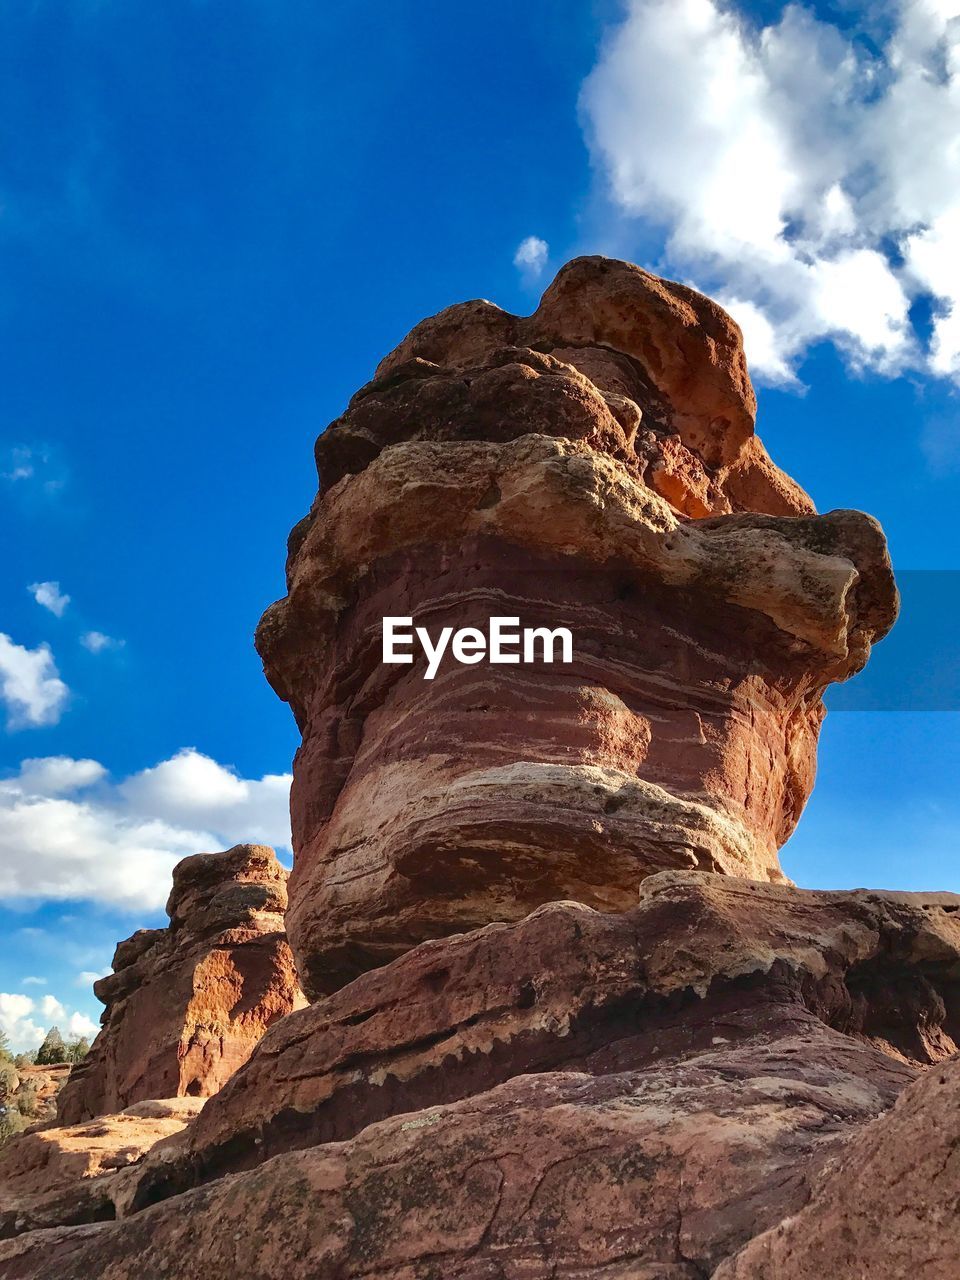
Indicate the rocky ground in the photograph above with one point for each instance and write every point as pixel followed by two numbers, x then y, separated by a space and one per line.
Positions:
pixel 568 1018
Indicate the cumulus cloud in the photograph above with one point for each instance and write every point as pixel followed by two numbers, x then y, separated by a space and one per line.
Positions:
pixel 55 775
pixel 26 1021
pixel 30 685
pixel 87 977
pixel 812 184
pixel 78 1024
pixel 96 641
pixel 69 832
pixel 49 595
pixel 16 1023
pixel 531 256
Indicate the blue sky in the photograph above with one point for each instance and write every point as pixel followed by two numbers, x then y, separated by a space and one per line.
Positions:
pixel 215 218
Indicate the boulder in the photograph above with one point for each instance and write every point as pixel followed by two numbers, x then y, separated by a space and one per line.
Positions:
pixel 706 968
pixel 886 1207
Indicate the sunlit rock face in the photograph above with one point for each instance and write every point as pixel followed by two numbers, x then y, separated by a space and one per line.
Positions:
pixel 592 466
pixel 186 1005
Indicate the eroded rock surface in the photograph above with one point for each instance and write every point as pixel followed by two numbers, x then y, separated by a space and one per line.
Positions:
pixel 571 1022
pixel 576 1095
pixel 887 1207
pixel 58 1175
pixel 703 966
pixel 592 466
pixel 187 1004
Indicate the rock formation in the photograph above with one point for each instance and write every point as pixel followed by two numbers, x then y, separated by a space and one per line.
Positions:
pixel 593 466
pixel 887 1208
pixel 55 1175
pixel 570 1020
pixel 187 1004
pixel 576 1094
pixel 707 970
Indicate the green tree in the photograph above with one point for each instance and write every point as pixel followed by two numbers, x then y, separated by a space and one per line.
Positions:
pixel 53 1050
pixel 5 1054
pixel 77 1049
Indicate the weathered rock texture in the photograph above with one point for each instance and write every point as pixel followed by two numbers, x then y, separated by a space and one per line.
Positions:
pixel 703 966
pixel 575 1095
pixel 33 1090
pixel 53 1176
pixel 647 1057
pixel 887 1208
pixel 187 1004
pixel 592 466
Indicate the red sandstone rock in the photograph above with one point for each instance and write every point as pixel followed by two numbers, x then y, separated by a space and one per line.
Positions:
pixel 634 1093
pixel 548 468
pixel 187 1004
pixel 52 1176
pixel 574 1095
pixel 703 966
pixel 886 1208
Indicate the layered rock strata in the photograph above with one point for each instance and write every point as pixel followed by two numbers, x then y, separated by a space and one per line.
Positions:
pixel 592 466
pixel 186 1005
pixel 575 1095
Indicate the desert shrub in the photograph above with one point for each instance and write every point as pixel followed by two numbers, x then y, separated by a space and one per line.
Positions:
pixel 27 1101
pixel 11 1123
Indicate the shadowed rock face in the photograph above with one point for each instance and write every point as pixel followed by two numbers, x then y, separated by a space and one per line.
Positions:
pixel 887 1208
pixel 187 1004
pixel 591 466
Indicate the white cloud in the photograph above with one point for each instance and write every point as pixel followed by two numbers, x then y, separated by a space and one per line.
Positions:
pixel 19 464
pixel 67 832
pixel 15 1021
pixel 531 256
pixel 96 641
pixel 19 1014
pixel 37 465
pixel 30 685
pixel 51 1009
pixel 87 977
pixel 813 185
pixel 48 595
pixel 78 1024
pixel 57 775
pixel 34 982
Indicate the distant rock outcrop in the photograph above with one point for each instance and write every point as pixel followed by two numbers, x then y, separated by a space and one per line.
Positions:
pixel 54 1175
pixel 592 466
pixel 187 1004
